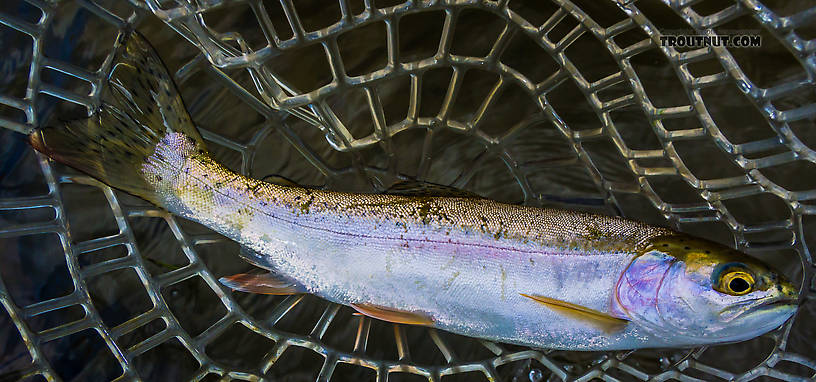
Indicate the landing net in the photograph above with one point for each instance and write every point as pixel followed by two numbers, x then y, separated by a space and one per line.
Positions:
pixel 571 104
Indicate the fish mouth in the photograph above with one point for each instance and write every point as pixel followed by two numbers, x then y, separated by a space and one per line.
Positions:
pixel 776 302
pixel 751 306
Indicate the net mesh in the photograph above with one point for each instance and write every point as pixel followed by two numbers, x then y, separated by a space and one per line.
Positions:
pixel 721 149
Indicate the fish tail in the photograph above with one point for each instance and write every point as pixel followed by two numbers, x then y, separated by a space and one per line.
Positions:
pixel 140 106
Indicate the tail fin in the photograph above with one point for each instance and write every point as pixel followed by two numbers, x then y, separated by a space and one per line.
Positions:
pixel 140 105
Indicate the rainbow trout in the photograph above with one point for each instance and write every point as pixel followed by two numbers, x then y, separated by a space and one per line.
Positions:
pixel 454 261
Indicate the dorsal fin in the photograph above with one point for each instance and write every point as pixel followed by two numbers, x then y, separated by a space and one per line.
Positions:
pixel 418 188
pixel 604 321
pixel 281 180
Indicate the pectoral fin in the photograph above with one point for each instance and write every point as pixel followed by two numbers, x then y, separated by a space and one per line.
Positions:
pixel 393 315
pixel 264 283
pixel 604 321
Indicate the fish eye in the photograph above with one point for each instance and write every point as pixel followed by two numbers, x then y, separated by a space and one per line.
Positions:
pixel 736 282
pixel 739 285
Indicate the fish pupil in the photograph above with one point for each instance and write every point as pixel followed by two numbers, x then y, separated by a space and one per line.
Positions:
pixel 739 285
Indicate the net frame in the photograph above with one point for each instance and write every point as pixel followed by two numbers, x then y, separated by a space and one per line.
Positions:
pixel 276 95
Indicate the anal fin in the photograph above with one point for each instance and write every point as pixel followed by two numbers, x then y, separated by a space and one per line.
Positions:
pixel 393 315
pixel 601 320
pixel 264 283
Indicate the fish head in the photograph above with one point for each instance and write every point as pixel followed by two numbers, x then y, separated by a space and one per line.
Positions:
pixel 697 292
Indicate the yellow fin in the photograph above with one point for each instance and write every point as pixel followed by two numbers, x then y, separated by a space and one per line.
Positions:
pixel 605 322
pixel 266 283
pixel 393 315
